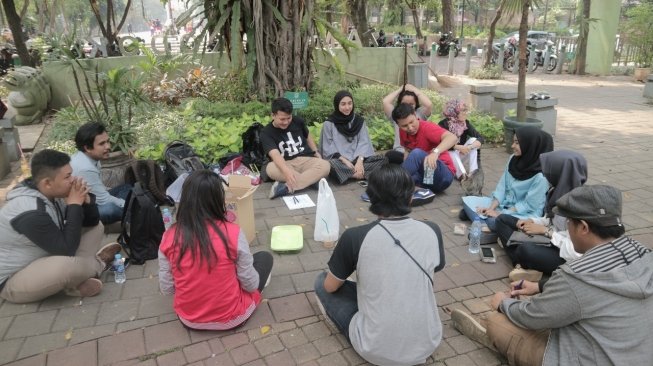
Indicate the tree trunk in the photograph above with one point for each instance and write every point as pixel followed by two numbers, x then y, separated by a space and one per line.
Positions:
pixel 523 62
pixel 15 24
pixel 581 53
pixel 490 37
pixel 108 26
pixel 447 16
pixel 413 10
pixel 358 10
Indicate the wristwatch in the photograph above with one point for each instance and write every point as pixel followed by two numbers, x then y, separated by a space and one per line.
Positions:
pixel 436 150
pixel 549 232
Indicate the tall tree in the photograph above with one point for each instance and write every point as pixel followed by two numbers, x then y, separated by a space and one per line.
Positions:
pixel 280 40
pixel 414 5
pixel 447 16
pixel 490 37
pixel 16 27
pixel 358 11
pixel 108 25
pixel 581 53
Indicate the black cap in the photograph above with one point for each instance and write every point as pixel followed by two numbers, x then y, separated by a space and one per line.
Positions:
pixel 597 204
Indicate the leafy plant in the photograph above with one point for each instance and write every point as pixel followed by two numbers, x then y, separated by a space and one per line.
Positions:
pixel 489 72
pixel 640 30
pixel 488 126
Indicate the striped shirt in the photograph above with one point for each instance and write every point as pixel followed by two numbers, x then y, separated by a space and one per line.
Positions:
pixel 609 256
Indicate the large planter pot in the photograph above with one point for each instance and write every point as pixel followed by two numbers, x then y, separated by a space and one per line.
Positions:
pixel 114 167
pixel 510 124
pixel 641 73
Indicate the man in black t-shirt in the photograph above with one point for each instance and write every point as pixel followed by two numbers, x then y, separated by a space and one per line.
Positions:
pixel 294 161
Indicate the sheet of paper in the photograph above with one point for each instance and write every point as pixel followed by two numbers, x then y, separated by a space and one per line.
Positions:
pixel 298 201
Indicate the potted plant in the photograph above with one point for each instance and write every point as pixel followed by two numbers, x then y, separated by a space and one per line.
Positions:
pixel 640 31
pixel 511 123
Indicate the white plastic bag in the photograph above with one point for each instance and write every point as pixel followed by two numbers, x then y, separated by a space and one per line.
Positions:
pixel 327 222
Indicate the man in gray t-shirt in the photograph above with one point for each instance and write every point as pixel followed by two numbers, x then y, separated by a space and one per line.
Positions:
pixel 390 315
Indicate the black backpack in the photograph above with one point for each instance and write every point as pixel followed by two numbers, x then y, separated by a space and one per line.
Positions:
pixel 150 175
pixel 180 158
pixel 142 225
pixel 253 153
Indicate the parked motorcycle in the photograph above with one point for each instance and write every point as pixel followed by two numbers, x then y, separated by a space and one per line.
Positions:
pixel 511 50
pixel 446 42
pixel 539 59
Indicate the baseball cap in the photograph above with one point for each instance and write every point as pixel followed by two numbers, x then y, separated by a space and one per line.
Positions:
pixel 597 204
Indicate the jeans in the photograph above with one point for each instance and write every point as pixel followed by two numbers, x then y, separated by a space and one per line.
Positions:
pixel 110 212
pixel 263 265
pixel 340 306
pixel 414 164
pixel 471 211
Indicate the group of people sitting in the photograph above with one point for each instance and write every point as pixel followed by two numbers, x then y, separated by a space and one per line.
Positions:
pixel 590 284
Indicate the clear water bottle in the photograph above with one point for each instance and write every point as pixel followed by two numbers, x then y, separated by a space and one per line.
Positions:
pixel 167 218
pixel 475 236
pixel 119 268
pixel 428 175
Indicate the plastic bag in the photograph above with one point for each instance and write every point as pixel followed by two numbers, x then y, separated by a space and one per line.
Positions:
pixel 236 166
pixel 327 222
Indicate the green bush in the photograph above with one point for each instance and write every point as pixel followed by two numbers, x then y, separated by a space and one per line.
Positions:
pixel 64 127
pixel 488 126
pixel 205 108
pixel 490 72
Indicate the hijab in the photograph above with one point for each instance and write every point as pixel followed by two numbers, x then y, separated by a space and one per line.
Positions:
pixel 532 142
pixel 452 111
pixel 347 125
pixel 565 170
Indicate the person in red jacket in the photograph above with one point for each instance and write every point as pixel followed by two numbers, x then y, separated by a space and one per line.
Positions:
pixel 204 260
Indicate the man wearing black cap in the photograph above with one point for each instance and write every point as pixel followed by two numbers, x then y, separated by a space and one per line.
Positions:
pixel 596 310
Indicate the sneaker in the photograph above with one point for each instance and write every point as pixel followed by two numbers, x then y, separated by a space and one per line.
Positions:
pixel 267 282
pixel 327 320
pixel 468 326
pixel 365 197
pixel 88 288
pixel 278 189
pixel 107 253
pixel 519 274
pixel 422 196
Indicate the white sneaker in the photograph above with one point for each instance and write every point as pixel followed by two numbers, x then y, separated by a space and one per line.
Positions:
pixel 468 326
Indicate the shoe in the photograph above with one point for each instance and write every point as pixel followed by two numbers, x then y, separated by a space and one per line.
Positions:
pixel 519 274
pixel 365 197
pixel 267 282
pixel 107 253
pixel 278 189
pixel 327 320
pixel 462 215
pixel 468 326
pixel 88 288
pixel 422 196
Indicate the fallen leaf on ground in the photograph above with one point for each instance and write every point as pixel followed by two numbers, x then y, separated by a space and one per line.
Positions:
pixel 265 329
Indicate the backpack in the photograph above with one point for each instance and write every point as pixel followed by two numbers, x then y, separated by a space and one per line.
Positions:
pixel 252 148
pixel 142 225
pixel 180 158
pixel 150 175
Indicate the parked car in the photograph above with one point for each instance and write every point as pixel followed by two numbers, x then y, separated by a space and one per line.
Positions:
pixel 537 38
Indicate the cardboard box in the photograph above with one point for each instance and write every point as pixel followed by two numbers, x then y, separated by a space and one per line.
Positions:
pixel 240 202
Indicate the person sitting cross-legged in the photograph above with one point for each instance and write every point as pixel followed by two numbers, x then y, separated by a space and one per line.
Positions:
pixel 390 316
pixel 50 235
pixel 295 163
pixel 427 146
pixel 595 310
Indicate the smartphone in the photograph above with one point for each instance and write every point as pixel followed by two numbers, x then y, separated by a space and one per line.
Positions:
pixel 487 255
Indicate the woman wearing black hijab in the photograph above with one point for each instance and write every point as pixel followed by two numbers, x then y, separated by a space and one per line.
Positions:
pixel 521 191
pixel 345 142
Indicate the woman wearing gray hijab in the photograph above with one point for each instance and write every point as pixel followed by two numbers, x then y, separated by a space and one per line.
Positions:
pixel 565 170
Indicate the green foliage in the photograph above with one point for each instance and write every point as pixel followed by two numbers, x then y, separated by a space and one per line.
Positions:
pixel 231 87
pixel 622 70
pixel 382 133
pixel 64 126
pixel 490 72
pixel 640 30
pixel 488 126
pixel 206 108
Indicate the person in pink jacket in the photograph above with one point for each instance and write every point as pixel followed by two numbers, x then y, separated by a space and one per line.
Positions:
pixel 204 260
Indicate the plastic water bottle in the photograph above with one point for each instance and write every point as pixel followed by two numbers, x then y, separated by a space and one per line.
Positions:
pixel 167 218
pixel 428 174
pixel 475 236
pixel 119 268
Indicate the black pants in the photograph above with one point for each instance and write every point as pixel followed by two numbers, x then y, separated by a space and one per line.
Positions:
pixel 545 259
pixel 263 265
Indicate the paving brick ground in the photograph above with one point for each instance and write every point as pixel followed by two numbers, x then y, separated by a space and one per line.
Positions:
pixel 604 118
